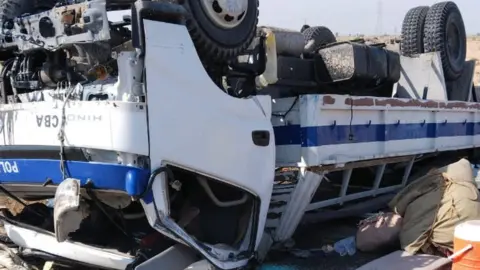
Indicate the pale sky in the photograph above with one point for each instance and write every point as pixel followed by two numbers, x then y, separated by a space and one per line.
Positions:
pixel 354 16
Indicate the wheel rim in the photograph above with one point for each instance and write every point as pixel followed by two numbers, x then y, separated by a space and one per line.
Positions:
pixel 226 14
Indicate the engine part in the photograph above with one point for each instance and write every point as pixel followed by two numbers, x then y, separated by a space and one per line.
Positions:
pixel 221 29
pixel 53 29
pixel 24 74
pixel 9 9
pixel 38 70
pixel 287 42
pixel 412 31
pixel 316 37
pixel 86 56
pixel 66 44
pixel 51 74
pixel 445 33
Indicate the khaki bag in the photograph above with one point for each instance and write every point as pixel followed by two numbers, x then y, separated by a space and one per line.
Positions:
pixel 433 205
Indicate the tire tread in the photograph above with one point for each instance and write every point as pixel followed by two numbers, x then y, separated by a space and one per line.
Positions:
pixel 412 31
pixel 321 36
pixel 435 39
pixel 208 49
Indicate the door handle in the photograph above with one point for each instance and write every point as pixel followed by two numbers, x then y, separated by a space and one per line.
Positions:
pixel 261 137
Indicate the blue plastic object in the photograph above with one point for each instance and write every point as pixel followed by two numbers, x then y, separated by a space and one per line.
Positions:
pixel 346 246
pixel 107 176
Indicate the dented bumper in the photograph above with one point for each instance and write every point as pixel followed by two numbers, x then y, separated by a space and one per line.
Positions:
pixel 81 253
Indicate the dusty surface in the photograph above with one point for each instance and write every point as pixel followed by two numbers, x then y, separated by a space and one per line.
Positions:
pixel 318 236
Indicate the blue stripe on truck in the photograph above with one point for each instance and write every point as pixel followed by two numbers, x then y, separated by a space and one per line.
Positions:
pixel 108 176
pixel 340 134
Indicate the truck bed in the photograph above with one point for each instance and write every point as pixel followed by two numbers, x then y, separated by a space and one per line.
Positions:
pixel 316 130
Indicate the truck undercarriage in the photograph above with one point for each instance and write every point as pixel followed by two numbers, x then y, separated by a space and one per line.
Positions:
pixel 160 139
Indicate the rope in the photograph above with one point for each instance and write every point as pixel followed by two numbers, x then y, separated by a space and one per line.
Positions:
pixel 61 132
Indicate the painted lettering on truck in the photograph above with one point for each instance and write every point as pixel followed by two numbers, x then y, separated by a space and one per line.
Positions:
pixel 8 167
pixel 53 121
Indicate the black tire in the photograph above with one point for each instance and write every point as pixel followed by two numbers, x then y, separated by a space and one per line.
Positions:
pixel 412 31
pixel 304 27
pixel 320 36
pixel 216 44
pixel 474 93
pixel 445 33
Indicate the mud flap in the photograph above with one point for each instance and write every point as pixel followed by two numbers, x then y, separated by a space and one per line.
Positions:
pixel 67 211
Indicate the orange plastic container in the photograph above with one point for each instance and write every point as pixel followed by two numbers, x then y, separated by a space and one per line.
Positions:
pixel 467 233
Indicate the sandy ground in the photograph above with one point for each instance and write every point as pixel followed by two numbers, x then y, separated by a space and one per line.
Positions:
pixel 473 53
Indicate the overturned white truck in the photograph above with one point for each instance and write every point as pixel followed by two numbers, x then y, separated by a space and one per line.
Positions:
pixel 163 137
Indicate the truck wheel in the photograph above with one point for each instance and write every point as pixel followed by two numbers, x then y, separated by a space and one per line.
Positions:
pixel 221 29
pixel 445 33
pixel 412 31
pixel 317 36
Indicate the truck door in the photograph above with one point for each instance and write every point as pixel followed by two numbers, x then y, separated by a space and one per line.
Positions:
pixel 196 126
